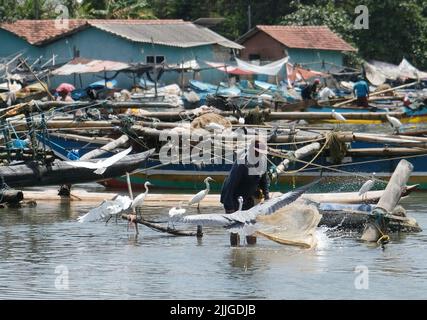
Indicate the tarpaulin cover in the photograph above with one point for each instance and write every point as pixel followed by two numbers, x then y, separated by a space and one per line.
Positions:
pixel 81 65
pixel 271 69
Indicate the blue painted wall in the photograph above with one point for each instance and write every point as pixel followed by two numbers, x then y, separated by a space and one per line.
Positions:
pixel 10 45
pixel 309 56
pixel 97 44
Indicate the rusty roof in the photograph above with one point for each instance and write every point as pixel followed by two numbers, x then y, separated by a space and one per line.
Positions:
pixel 37 32
pixel 302 37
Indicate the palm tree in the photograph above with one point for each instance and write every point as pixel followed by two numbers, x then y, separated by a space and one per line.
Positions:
pixel 122 9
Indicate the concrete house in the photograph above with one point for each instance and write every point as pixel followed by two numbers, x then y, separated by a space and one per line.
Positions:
pixel 316 47
pixel 145 41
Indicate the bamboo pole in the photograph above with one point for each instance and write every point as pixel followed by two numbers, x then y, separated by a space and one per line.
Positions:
pixel 377 93
pixel 328 115
pixel 298 154
pixel 38 79
pixel 378 139
pixel 124 139
pixel 386 152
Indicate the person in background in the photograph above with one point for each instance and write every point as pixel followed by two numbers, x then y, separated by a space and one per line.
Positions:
pixel 244 182
pixel 326 94
pixel 361 92
pixel 310 91
pixel 63 92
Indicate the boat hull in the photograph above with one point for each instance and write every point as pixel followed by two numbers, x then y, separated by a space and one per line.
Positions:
pixel 61 173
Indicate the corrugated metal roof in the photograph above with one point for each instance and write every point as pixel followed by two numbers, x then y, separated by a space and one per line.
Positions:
pixel 303 37
pixel 183 35
pixel 177 33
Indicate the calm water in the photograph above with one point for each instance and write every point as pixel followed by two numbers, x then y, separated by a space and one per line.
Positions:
pixel 107 262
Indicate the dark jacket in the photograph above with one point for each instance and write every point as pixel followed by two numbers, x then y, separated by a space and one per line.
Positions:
pixel 240 183
pixel 309 92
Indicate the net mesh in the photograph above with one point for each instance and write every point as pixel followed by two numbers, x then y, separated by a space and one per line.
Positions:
pixel 293 225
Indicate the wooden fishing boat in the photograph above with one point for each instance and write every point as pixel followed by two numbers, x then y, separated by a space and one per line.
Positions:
pixel 368 154
pixel 60 173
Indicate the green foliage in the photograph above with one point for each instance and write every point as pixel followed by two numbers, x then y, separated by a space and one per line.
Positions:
pixel 119 9
pixel 8 10
pixel 398 28
pixel 326 13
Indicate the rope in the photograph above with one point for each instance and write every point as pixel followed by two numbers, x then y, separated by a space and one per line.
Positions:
pixel 293 158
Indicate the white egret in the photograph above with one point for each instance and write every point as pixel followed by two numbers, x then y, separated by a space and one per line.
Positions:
pixel 107 209
pixel 241 219
pixel 338 116
pixel 394 122
pixel 101 165
pixel 201 195
pixel 240 199
pixel 139 200
pixel 368 185
pixel 176 213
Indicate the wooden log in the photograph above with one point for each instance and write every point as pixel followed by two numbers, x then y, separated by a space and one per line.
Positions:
pixel 350 197
pixel 159 228
pixel 123 140
pixel 396 186
pixel 298 154
pixel 11 196
pixel 374 231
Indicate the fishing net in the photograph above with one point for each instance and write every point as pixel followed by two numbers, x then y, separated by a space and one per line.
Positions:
pixel 202 121
pixel 293 225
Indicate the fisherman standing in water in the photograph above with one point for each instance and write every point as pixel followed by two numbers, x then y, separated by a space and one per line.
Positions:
pixel 247 176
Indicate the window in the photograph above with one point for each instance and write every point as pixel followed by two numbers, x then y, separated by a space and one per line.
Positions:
pixel 156 59
pixel 253 57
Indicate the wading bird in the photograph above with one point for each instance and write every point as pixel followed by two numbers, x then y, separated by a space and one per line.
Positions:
pixel 139 200
pixel 201 195
pixel 394 122
pixel 247 218
pixel 175 214
pixel 107 210
pixel 368 185
pixel 101 165
pixel 338 116
pixel 110 208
